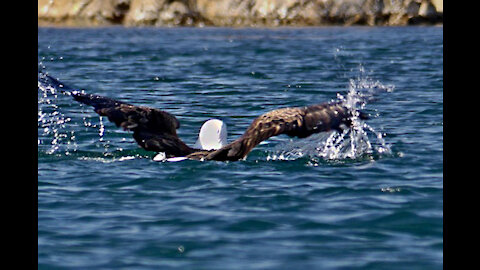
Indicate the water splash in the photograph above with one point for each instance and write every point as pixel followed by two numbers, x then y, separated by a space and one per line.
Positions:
pixel 55 137
pixel 360 141
pixel 53 134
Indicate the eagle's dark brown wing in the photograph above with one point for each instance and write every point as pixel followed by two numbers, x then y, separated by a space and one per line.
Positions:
pixel 153 129
pixel 296 122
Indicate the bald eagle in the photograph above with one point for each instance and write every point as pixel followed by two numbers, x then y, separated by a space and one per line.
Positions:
pixel 156 130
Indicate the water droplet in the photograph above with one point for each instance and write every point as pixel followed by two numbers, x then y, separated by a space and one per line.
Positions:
pixel 390 189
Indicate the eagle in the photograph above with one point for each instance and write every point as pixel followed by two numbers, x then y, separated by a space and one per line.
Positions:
pixel 156 130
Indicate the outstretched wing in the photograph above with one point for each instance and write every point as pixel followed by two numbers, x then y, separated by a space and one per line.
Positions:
pixel 296 122
pixel 153 129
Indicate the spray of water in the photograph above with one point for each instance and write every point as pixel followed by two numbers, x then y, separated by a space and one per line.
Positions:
pixel 361 140
pixel 53 134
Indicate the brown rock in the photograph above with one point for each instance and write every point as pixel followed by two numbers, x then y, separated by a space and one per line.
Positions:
pixel 144 12
pixel 239 12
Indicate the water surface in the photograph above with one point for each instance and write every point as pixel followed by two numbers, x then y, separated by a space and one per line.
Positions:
pixel 104 204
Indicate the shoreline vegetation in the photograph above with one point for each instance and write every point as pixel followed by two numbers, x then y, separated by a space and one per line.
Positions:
pixel 238 13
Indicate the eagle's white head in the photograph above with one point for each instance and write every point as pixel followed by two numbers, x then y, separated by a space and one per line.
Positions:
pixel 212 136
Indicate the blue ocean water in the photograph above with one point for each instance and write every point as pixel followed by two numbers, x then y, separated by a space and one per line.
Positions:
pixel 103 203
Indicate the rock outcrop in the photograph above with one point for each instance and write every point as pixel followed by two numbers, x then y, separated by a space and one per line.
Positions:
pixel 238 13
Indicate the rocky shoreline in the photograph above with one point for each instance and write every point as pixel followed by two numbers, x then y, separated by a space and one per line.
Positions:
pixel 238 13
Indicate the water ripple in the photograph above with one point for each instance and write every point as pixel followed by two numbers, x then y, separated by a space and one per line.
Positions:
pixel 104 204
